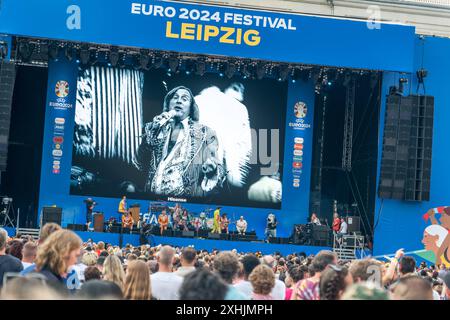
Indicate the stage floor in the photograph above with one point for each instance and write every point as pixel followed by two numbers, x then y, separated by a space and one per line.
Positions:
pixel 201 244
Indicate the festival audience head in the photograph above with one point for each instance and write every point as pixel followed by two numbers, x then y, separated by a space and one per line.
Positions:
pixel 226 264
pixel 365 291
pixel 92 273
pixel 113 271
pixel 366 269
pixel 333 282
pixel 249 262
pixel 100 262
pixel 412 287
pixel 321 261
pixel 47 230
pixel 407 265
pixel 29 288
pixel 295 274
pixel 188 257
pixel 262 279
pixel 14 249
pixel 202 284
pixel 58 253
pixel 153 266
pixel 137 281
pixel 100 290
pixel 29 252
pixel 89 259
pixel 166 258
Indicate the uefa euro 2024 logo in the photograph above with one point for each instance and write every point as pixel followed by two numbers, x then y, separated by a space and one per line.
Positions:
pixel 300 110
pixel 62 89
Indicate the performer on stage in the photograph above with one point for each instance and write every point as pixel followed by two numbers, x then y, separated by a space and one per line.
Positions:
pixel 241 225
pixel 224 222
pixel 271 226
pixel 178 154
pixel 90 204
pixel 315 220
pixel 216 226
pixel 185 220
pixel 127 221
pixel 336 223
pixel 123 206
pixel 163 221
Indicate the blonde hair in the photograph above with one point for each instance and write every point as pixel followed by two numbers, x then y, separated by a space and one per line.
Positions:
pixel 54 253
pixel 89 259
pixel 47 230
pixel 262 279
pixel 137 281
pixel 113 271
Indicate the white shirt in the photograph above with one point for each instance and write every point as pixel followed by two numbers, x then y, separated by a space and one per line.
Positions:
pixel 166 285
pixel 278 292
pixel 241 224
pixel 184 271
pixel 343 227
pixel 26 264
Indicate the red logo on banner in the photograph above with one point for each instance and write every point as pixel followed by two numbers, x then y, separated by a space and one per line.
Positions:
pixel 58 140
pixel 56 171
pixel 298 146
pixel 297 165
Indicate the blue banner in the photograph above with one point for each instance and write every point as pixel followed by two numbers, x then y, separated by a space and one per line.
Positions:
pixel 215 30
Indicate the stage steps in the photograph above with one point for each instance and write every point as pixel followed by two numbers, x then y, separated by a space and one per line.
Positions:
pixel 29 232
pixel 345 253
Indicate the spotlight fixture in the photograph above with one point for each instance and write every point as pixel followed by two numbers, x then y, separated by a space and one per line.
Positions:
pixel 53 51
pixel 230 70
pixel 283 72
pixel 260 71
pixel 114 57
pixel 347 79
pixel 173 64
pixel 144 60
pixel 401 85
pixel 85 55
pixel 26 51
pixel 157 62
pixel 200 67
pixel 3 50
pixel 69 52
pixel 247 71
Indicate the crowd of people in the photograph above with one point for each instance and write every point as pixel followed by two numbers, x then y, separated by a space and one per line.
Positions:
pixel 61 266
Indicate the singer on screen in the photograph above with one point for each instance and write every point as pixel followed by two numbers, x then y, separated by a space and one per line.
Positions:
pixel 178 154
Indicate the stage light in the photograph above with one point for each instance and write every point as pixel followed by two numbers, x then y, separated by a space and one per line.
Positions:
pixel 347 79
pixel 173 64
pixel 283 72
pixel 401 85
pixel 53 51
pixel 200 67
pixel 157 62
pixel 26 51
pixel 69 53
pixel 3 50
pixel 114 58
pixel 230 70
pixel 144 60
pixel 85 55
pixel 260 71
pixel 247 71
